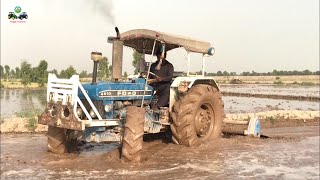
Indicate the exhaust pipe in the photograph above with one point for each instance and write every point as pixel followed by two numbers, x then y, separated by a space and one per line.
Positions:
pixel 117 54
pixel 118 32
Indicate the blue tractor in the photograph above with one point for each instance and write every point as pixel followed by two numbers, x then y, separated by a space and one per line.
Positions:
pixel 122 111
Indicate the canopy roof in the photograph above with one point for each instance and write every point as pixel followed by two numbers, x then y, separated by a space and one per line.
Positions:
pixel 144 38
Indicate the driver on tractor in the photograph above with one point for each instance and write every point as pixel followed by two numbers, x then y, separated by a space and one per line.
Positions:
pixel 163 70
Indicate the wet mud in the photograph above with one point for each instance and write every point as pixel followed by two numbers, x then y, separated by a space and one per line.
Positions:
pixel 25 156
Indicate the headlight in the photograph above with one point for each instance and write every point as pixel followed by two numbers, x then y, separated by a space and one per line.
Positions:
pixel 92 114
pixel 108 107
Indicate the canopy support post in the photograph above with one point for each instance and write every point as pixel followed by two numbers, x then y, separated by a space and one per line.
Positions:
pixel 203 64
pixel 145 84
pixel 188 56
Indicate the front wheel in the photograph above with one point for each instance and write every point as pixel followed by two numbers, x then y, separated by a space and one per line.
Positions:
pixel 133 134
pixel 197 116
pixel 59 141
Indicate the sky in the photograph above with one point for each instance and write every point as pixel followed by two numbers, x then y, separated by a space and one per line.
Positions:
pixel 248 35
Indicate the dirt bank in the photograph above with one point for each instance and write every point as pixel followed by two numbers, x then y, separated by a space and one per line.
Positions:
pixel 274 115
pixel 20 125
pixel 280 118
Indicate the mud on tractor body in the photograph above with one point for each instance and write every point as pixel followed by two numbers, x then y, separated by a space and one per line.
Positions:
pixel 123 111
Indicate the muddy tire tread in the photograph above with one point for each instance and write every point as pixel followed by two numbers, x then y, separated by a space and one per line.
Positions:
pixel 184 111
pixel 133 134
pixel 57 140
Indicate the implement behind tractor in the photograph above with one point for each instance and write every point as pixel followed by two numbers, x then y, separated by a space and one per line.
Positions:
pixel 118 111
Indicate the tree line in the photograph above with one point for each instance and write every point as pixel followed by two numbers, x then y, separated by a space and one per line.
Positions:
pixel 39 74
pixel 253 73
pixel 137 56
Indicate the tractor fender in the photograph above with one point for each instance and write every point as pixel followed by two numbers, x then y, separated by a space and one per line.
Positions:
pixel 191 81
pixel 188 82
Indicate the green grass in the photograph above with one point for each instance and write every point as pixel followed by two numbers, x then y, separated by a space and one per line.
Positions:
pixel 31 116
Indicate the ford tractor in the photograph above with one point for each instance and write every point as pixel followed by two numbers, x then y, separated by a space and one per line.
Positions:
pixel 122 111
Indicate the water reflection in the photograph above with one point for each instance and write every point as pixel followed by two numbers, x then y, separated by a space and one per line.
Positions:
pixel 7 95
pixel 17 100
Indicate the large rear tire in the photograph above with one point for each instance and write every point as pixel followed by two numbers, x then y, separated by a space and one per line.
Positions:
pixel 197 116
pixel 133 134
pixel 59 141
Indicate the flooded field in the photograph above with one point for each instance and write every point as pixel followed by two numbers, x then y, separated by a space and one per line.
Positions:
pixel 234 104
pixel 292 90
pixel 290 153
pixel 16 100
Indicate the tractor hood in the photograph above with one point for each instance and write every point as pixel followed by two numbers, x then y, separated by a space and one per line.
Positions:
pixel 117 90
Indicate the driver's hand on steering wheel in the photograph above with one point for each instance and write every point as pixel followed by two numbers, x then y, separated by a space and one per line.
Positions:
pixel 159 78
pixel 150 81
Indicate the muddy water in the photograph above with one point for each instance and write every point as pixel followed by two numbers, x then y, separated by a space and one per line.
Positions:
pixel 290 153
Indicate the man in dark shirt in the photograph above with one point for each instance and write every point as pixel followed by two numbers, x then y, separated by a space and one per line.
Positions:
pixel 164 71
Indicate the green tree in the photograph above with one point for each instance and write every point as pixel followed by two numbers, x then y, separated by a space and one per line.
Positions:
pixel 18 73
pixel 135 62
pixel 7 68
pixel 110 69
pixel 253 73
pixel 225 73
pixel 42 73
pixel 307 72
pixel 219 73
pixel 83 74
pixel 70 71
pixel 1 71
pixel 12 74
pixel 233 73
pixel 34 74
pixel 54 71
pixel 62 74
pixel 246 73
pixel 104 69
pixel 275 73
pixel 26 73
